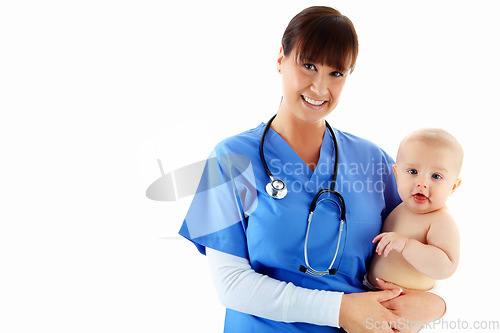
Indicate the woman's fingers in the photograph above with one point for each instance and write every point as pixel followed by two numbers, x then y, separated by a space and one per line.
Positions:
pixel 388 294
pixel 388 285
pixel 388 321
pixel 364 312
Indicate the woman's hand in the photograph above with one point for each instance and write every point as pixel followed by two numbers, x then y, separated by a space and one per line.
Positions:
pixel 416 308
pixel 364 312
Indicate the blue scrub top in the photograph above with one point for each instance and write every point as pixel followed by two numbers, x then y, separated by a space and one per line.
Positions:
pixel 231 212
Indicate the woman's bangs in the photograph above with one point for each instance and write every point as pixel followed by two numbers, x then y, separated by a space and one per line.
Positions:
pixel 329 43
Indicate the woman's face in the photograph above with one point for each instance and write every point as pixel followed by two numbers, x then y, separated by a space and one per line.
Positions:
pixel 310 90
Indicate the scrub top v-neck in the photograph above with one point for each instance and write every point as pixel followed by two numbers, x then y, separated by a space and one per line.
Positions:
pixel 231 212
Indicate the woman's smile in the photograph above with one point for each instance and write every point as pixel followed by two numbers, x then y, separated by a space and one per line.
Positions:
pixel 313 101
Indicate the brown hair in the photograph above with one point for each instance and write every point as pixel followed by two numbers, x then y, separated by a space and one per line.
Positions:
pixel 322 35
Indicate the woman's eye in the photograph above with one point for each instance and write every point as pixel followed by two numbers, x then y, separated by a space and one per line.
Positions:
pixel 310 66
pixel 337 74
pixel 412 171
pixel 436 176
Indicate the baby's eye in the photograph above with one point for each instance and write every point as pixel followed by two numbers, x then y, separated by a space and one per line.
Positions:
pixel 412 171
pixel 310 66
pixel 437 176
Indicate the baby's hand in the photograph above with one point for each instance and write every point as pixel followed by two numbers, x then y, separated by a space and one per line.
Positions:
pixel 389 241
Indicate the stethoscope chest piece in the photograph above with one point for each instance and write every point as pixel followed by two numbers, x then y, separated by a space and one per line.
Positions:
pixel 276 189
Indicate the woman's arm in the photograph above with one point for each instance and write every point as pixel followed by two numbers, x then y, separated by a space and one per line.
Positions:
pixel 240 288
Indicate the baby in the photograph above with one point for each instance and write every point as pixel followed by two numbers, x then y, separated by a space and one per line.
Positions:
pixel 421 229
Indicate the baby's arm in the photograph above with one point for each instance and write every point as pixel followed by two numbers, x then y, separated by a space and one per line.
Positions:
pixel 438 259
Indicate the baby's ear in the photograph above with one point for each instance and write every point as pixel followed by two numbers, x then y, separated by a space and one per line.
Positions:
pixel 456 185
pixel 395 169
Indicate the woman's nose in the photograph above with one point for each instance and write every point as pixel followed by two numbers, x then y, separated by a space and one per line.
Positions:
pixel 319 86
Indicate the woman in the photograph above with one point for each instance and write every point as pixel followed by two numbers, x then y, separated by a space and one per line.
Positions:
pixel 258 238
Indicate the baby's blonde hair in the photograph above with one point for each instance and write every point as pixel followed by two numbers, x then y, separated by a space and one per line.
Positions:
pixel 436 137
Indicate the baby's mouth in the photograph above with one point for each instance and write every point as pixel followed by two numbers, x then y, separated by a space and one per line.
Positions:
pixel 419 198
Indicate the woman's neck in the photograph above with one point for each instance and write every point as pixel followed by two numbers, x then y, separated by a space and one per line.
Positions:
pixel 305 138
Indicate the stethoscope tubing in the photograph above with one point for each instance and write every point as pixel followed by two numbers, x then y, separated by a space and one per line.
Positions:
pixel 281 191
pixel 261 148
pixel 341 228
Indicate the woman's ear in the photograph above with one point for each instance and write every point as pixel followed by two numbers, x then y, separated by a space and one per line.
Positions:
pixel 280 59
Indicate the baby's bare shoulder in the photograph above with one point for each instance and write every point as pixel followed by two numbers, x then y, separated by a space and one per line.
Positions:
pixel 443 231
pixel 401 219
pixel 442 218
pixel 393 218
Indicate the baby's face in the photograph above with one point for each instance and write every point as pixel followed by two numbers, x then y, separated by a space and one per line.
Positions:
pixel 426 176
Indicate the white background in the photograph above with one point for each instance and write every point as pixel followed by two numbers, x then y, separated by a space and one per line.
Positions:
pixel 92 93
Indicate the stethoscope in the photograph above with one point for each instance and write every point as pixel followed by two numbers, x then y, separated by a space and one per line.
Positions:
pixel 276 188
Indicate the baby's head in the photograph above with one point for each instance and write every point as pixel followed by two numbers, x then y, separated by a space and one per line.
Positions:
pixel 427 169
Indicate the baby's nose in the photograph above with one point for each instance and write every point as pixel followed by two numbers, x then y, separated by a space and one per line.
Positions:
pixel 422 182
